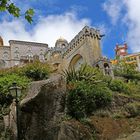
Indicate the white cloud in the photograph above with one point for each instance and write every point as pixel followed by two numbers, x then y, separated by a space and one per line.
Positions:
pixel 47 30
pixel 131 19
pixel 113 9
pixel 103 29
pixel 133 23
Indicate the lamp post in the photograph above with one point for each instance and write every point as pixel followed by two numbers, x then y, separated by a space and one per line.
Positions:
pixel 15 91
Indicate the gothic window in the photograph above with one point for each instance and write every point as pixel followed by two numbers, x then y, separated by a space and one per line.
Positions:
pixel 36 57
pixel 29 54
pixel 41 56
pixel 63 46
pixel 16 53
pixel 5 55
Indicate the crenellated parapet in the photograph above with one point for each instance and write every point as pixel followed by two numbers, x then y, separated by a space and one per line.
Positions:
pixel 80 38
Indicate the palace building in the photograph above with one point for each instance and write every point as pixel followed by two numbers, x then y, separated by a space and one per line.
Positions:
pixel 121 52
pixel 83 48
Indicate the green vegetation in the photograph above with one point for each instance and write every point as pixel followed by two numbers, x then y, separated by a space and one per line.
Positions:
pixel 36 71
pixel 133 109
pixel 85 98
pixel 120 86
pixel 6 97
pixel 85 73
pixel 128 79
pixel 86 91
pixel 22 76
pixel 126 70
pixel 10 7
pixel 7 80
pixel 90 91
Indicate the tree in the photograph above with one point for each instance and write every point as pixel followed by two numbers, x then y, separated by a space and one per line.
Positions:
pixel 8 5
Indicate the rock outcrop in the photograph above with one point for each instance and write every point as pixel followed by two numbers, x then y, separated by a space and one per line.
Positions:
pixel 42 114
pixel 42 109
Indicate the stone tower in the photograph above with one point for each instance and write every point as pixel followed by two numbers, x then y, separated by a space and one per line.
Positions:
pixel 83 48
pixel 61 43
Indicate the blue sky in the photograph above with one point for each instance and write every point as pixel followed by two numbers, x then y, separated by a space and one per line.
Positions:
pixel 118 20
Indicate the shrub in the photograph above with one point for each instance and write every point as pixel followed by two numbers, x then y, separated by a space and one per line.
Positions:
pixel 102 95
pixel 77 101
pixel 6 97
pixel 106 79
pixel 85 98
pixel 6 82
pixel 127 70
pixel 86 73
pixel 35 71
pixel 134 88
pixel 86 91
pixel 119 86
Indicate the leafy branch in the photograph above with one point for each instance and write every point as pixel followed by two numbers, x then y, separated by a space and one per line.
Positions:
pixel 7 5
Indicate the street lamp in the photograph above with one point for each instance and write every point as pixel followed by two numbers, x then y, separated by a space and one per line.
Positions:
pixel 15 91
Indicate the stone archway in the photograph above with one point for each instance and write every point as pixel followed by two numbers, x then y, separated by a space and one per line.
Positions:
pixel 107 68
pixel 76 61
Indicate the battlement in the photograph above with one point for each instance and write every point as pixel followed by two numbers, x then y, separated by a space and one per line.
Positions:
pixel 80 38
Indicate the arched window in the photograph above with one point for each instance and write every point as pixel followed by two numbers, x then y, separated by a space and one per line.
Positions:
pixel 16 53
pixel 41 56
pixel 29 54
pixel 63 46
pixel 5 55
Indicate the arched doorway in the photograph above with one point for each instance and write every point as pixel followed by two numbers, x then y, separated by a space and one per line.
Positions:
pixel 107 68
pixel 76 61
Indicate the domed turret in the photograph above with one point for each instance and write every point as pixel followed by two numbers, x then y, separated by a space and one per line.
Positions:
pixel 61 43
pixel 1 41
